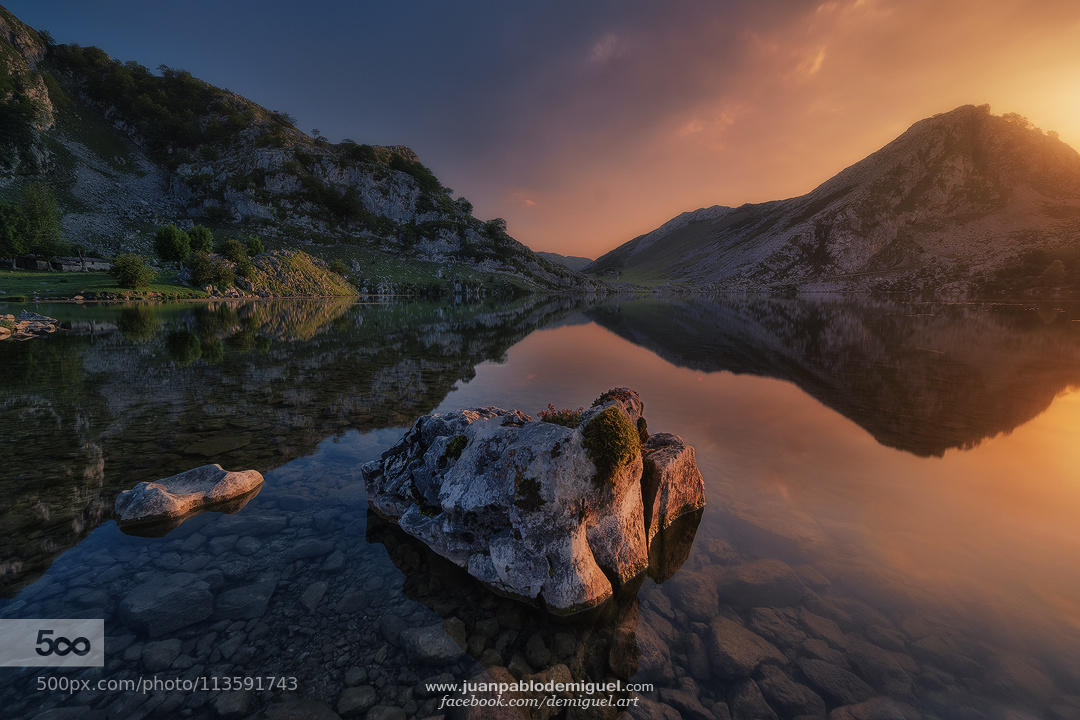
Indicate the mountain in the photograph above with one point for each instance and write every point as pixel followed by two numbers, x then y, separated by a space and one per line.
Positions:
pixel 126 150
pixel 963 203
pixel 575 263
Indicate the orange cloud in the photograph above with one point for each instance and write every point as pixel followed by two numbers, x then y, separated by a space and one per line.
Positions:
pixel 709 111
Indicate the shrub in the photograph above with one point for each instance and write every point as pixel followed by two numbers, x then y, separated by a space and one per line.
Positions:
pixel 338 266
pixel 254 245
pixel 245 268
pixel 233 249
pixel 206 270
pixel 611 442
pixel 201 239
pixel 426 179
pixel 131 271
pixel 566 417
pixel 172 243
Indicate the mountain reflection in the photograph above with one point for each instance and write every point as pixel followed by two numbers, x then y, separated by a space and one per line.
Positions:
pixel 919 378
pixel 143 392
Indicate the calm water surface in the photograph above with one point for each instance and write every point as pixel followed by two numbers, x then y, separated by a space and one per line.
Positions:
pixel 892 499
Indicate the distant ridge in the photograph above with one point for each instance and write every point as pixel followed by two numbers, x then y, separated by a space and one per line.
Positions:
pixel 573 262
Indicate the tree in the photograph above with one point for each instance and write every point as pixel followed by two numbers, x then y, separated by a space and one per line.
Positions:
pixel 42 213
pixel 337 265
pixel 233 249
pixel 172 243
pixel 131 271
pixel 200 239
pixel 13 232
pixel 254 245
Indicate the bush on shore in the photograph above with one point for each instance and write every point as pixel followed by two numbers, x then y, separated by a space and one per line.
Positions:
pixel 132 271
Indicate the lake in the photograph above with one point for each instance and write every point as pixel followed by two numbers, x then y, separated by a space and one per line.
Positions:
pixel 892 501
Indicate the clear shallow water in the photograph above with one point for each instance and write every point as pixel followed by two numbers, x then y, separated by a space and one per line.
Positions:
pixel 892 493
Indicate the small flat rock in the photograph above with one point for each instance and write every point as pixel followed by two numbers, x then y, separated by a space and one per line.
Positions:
pixel 694 592
pixel 161 606
pixel 309 548
pixel 335 562
pixel 232 704
pixel 647 709
pixel 355 676
pixel 747 703
pixel 788 697
pixel 687 703
pixel 736 651
pixel 179 495
pixel 878 708
pixel 768 582
pixel 385 712
pixel 429 645
pixel 247 601
pixel 839 686
pixel 313 595
pixel 355 700
pixel 776 627
pixel 300 709
pixel 159 655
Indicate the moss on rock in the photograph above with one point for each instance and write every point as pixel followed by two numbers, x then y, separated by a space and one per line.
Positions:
pixel 456 446
pixel 611 441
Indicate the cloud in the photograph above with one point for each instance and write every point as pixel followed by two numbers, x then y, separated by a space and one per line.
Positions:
pixel 521 199
pixel 606 49
pixel 812 65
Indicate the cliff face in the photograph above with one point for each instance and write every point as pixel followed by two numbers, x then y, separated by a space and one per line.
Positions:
pixel 963 202
pixel 126 149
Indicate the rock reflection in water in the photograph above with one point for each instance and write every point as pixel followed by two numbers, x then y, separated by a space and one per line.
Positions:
pixel 514 640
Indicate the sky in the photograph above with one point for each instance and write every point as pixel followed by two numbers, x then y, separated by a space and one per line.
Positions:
pixel 585 124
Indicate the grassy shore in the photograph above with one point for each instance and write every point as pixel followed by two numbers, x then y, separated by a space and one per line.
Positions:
pixel 22 285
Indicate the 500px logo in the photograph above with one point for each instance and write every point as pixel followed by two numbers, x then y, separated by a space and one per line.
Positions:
pixel 57 642
pixel 60 645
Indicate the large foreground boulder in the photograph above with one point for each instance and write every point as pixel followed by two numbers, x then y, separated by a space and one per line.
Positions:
pixel 168 501
pixel 560 510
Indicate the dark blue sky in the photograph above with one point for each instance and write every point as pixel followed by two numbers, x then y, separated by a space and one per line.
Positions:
pixel 586 122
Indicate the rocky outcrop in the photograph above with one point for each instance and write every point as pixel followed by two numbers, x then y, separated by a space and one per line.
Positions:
pixel 558 510
pixel 171 500
pixel 27 325
pixel 127 166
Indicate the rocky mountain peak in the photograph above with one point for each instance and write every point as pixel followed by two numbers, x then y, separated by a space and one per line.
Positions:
pixel 965 201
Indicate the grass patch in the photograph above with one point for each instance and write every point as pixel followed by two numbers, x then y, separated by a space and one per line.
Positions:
pixel 65 285
pixel 565 417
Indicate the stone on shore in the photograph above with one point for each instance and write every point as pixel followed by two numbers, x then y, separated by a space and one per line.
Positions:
pixel 551 510
pixel 180 495
pixel 27 325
